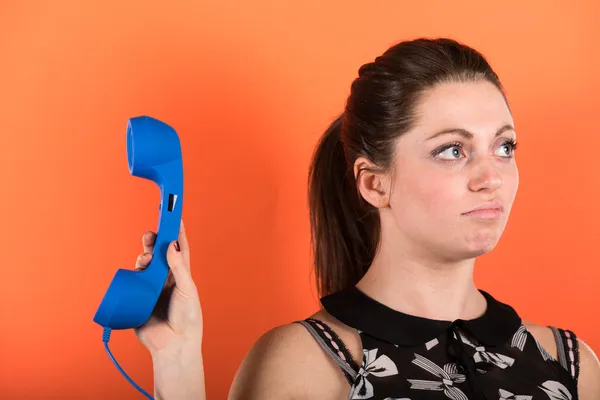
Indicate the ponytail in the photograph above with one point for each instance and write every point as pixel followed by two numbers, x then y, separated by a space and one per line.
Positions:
pixel 344 231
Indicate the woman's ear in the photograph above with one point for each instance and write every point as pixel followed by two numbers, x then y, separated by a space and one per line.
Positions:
pixel 372 183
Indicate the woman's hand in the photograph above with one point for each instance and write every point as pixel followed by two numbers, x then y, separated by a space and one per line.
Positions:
pixel 173 334
pixel 177 317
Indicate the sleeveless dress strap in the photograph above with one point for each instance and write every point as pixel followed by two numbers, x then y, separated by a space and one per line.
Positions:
pixel 567 348
pixel 333 346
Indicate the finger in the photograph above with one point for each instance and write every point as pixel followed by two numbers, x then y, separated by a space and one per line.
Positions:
pixel 179 269
pixel 183 244
pixel 148 240
pixel 143 261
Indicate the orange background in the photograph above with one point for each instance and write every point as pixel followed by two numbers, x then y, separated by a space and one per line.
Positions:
pixel 250 86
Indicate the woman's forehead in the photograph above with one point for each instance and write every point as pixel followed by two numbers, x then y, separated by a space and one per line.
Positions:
pixel 475 108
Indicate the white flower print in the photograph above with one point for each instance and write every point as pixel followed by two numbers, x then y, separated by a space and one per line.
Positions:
pixel 506 395
pixel 520 338
pixel 447 377
pixel 481 355
pixel 556 390
pixel 432 343
pixel 381 366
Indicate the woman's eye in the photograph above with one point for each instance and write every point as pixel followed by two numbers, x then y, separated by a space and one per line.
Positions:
pixel 507 149
pixel 452 152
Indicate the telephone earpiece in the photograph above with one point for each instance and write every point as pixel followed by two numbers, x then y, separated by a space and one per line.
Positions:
pixel 154 153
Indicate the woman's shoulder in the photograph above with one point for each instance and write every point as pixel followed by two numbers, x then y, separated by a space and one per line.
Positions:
pixel 587 361
pixel 349 336
pixel 290 353
pixel 544 336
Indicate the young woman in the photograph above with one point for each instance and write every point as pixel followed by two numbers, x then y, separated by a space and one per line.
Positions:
pixel 412 183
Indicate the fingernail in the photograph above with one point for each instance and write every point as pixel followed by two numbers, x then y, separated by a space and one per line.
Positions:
pixel 177 245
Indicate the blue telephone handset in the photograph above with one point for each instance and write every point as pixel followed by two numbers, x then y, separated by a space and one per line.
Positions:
pixel 154 153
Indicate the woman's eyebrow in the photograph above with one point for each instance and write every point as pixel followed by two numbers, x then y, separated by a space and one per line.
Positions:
pixel 467 134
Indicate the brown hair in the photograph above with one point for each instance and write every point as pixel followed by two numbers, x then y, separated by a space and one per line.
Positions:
pixel 345 230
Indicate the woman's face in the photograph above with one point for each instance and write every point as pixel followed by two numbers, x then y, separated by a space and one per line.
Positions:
pixel 440 177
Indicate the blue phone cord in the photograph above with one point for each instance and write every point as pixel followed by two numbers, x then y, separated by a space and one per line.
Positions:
pixel 105 339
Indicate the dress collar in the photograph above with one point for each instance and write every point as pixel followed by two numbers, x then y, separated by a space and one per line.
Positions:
pixel 359 311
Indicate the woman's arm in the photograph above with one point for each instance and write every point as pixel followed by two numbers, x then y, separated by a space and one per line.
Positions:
pixel 589 373
pixel 273 368
pixel 286 363
pixel 179 375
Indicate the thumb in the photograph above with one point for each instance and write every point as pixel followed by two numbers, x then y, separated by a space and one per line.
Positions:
pixel 181 273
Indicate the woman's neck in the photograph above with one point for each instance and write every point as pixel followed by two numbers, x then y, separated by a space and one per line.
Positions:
pixel 424 288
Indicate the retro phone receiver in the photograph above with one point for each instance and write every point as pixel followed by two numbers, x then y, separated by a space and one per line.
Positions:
pixel 154 153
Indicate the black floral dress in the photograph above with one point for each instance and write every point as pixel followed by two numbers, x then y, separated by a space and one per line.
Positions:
pixel 407 357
